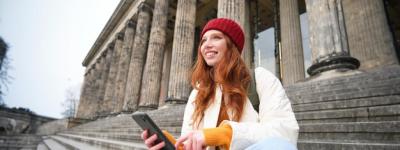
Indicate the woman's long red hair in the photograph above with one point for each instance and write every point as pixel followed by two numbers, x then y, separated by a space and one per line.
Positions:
pixel 230 73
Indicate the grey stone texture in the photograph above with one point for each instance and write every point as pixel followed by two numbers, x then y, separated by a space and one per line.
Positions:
pixel 233 9
pixel 328 39
pixel 350 112
pixel 327 36
pixel 370 39
pixel 19 142
pixel 121 132
pixel 123 64
pixel 101 76
pixel 89 108
pixel 165 75
pixel 292 62
pixel 138 58
pixel 52 127
pixel 109 100
pixel 83 100
pixel 14 122
pixel 151 82
pixel 182 52
pixel 107 56
pixel 85 108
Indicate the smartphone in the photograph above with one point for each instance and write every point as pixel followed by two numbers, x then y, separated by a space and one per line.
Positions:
pixel 145 122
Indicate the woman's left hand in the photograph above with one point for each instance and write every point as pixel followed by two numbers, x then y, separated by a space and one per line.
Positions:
pixel 194 140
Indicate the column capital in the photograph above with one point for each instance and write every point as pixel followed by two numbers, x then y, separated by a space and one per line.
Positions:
pixel 98 60
pixel 144 6
pixel 120 36
pixel 104 53
pixel 111 45
pixel 131 23
pixel 91 67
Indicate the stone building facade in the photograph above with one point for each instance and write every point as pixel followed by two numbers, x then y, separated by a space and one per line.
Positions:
pixel 142 58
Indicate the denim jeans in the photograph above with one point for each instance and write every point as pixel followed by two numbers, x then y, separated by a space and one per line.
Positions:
pixel 272 144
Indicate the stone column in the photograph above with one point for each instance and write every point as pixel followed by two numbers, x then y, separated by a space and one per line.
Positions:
pixel 165 75
pixel 328 39
pixel 87 102
pixel 105 69
pixel 138 58
pixel 151 82
pixel 233 9
pixel 123 65
pixel 100 78
pixel 107 55
pixel 292 48
pixel 83 97
pixel 110 86
pixel 92 94
pixel 370 39
pixel 182 52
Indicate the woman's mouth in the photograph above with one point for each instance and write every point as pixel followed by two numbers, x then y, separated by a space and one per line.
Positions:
pixel 211 53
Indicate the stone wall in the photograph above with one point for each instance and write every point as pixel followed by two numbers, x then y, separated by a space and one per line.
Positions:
pixel 52 127
pixel 13 121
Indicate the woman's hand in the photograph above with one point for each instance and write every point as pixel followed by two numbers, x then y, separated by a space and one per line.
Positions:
pixel 150 141
pixel 193 140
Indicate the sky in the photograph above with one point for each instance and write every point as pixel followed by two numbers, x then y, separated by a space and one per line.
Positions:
pixel 48 40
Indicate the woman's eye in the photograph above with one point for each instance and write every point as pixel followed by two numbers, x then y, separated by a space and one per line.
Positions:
pixel 216 37
pixel 202 41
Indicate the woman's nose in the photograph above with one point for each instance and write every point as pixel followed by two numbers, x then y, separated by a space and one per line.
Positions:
pixel 207 44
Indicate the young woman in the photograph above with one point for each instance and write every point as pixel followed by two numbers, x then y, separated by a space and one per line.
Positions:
pixel 218 112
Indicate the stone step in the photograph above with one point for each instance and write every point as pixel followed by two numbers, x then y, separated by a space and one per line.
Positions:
pixel 344 145
pixel 372 84
pixel 371 76
pixel 345 93
pixel 128 130
pixel 375 113
pixel 54 145
pixel 172 113
pixel 351 103
pixel 19 141
pixel 105 143
pixel 130 123
pixel 124 129
pixel 382 132
pixel 42 146
pixel 72 144
pixel 117 136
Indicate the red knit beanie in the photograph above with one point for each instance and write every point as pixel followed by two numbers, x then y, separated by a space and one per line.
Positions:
pixel 229 28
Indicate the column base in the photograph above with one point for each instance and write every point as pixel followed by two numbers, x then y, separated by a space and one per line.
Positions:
pixel 72 122
pixel 147 108
pixel 173 101
pixel 334 62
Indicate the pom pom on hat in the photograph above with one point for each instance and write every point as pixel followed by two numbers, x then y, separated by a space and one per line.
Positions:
pixel 229 28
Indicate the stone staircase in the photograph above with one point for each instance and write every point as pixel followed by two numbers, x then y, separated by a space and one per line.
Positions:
pixel 19 142
pixel 118 132
pixel 351 112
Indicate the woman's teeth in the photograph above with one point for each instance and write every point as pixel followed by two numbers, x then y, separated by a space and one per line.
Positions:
pixel 211 53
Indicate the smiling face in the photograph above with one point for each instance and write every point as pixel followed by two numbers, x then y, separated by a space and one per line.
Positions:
pixel 213 47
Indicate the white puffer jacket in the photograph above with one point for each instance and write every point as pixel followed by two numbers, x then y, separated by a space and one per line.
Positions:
pixel 275 117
